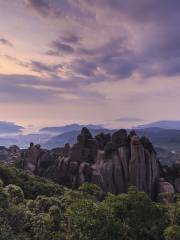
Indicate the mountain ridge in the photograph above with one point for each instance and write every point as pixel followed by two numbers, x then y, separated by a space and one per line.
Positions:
pixel 164 124
pixel 69 127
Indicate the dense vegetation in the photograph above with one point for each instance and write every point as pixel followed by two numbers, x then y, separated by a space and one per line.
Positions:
pixel 36 208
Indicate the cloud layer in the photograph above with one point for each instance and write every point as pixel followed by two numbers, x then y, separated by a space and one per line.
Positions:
pixel 101 53
pixel 5 42
pixel 9 127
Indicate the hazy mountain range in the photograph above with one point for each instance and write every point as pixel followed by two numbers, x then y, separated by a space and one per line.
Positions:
pixel 10 128
pixel 161 133
pixel 12 134
pixel 165 124
pixel 165 135
pixel 68 128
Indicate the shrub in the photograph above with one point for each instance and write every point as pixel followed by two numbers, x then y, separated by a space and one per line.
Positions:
pixel 15 193
pixel 30 205
pixel 55 215
pixel 31 185
pixel 6 232
pixel 90 189
pixel 18 218
pixel 172 233
pixel 41 226
pixel 43 203
pixel 4 203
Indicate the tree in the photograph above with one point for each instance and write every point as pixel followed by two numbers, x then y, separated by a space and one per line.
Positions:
pixel 143 218
pixel 4 203
pixel 15 193
pixel 55 215
pixel 89 220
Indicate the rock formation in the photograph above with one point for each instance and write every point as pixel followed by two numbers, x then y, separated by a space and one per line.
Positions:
pixel 177 184
pixel 166 191
pixel 11 154
pixel 35 158
pixel 114 163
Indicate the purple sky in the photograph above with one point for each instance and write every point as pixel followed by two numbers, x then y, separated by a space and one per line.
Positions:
pixel 115 62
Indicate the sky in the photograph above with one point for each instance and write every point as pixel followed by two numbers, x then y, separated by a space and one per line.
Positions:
pixel 111 62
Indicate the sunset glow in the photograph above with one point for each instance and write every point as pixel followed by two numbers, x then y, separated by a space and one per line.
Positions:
pixel 65 61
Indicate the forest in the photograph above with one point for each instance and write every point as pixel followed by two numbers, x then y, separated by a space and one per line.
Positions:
pixel 36 208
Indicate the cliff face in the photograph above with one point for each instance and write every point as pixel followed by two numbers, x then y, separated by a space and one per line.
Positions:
pixel 113 163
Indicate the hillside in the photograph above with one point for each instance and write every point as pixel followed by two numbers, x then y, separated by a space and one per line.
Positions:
pixel 33 208
pixel 101 188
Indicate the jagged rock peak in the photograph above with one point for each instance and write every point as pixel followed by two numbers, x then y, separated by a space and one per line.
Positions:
pixel 120 138
pixel 112 162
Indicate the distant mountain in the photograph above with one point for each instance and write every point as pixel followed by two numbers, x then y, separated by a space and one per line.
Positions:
pixel 166 141
pixel 161 124
pixel 70 137
pixel 68 128
pixel 158 136
pixel 13 136
pixel 166 138
pixel 23 140
pixel 166 156
pixel 10 128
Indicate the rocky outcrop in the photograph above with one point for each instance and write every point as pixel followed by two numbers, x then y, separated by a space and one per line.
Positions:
pixel 177 185
pixel 114 163
pixel 166 193
pixel 10 155
pixel 35 158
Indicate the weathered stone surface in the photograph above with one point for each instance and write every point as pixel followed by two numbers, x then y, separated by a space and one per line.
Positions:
pixel 137 165
pixel 11 154
pixel 36 158
pixel 75 153
pixel 120 138
pixel 124 156
pixel 84 173
pixel 97 178
pixel 31 158
pixel 64 172
pixel 102 139
pixel 85 150
pixel 67 149
pixel 177 185
pixel 166 191
pixel 84 136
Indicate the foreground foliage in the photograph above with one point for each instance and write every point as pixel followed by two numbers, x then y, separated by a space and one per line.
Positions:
pixel 36 208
